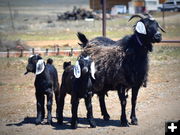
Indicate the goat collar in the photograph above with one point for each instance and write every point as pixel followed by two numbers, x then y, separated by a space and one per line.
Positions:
pixel 40 66
pixel 139 41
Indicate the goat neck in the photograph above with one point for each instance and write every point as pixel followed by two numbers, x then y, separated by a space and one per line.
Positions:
pixel 142 42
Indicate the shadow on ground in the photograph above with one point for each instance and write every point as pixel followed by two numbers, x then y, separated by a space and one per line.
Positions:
pixel 67 121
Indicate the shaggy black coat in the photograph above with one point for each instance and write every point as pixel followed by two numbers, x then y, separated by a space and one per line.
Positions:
pixel 45 84
pixel 123 64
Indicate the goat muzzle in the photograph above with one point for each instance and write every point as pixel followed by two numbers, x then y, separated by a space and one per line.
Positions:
pixel 157 37
pixel 84 70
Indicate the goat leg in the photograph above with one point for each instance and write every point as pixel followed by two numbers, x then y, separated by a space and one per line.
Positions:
pixel 57 98
pixel 61 106
pixel 122 97
pixel 40 108
pixel 134 120
pixel 74 109
pixel 103 106
pixel 88 103
pixel 49 106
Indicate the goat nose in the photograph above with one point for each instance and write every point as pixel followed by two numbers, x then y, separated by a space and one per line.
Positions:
pixel 85 70
pixel 157 37
pixel 29 67
pixel 158 34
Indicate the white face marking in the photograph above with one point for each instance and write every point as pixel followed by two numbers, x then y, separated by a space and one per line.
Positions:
pixel 86 58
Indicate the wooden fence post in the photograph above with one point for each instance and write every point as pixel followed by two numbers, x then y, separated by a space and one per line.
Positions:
pixel 46 54
pixel 21 53
pixel 7 53
pixel 57 51
pixel 33 51
pixel 71 53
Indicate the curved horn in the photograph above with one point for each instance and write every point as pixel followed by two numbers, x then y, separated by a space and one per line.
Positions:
pixel 148 15
pixel 161 28
pixel 136 15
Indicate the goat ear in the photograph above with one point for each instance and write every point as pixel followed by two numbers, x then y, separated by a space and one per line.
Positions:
pixel 77 70
pixel 93 70
pixel 140 28
pixel 40 66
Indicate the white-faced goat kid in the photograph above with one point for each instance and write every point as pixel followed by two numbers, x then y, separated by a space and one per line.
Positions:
pixel 46 82
pixel 77 81
pixel 123 64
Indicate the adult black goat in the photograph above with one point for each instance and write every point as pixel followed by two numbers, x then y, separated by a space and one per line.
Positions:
pixel 77 81
pixel 46 82
pixel 124 63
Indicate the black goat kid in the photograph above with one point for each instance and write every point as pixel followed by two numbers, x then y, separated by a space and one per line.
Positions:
pixel 46 82
pixel 77 81
pixel 123 64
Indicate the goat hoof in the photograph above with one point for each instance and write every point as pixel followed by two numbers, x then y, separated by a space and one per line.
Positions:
pixel 124 124
pixel 49 122
pixel 60 122
pixel 106 117
pixel 134 121
pixel 92 124
pixel 74 125
pixel 38 121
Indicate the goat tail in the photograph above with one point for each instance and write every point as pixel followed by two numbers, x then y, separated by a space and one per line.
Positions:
pixel 49 61
pixel 83 39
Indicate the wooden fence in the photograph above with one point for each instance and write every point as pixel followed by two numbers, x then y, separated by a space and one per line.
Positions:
pixel 47 52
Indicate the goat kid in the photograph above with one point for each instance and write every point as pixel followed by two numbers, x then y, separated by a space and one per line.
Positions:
pixel 77 81
pixel 123 64
pixel 46 82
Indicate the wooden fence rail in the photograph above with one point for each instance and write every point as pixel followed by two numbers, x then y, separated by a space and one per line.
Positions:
pixel 47 52
pixel 55 52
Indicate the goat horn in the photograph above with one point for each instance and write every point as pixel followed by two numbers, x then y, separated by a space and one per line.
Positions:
pixel 161 28
pixel 136 15
pixel 148 15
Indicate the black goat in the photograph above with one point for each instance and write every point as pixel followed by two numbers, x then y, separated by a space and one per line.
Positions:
pixel 124 63
pixel 46 82
pixel 77 81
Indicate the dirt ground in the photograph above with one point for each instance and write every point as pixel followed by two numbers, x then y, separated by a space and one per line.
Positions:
pixel 158 103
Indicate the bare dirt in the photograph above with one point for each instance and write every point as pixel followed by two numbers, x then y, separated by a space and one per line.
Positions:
pixel 51 43
pixel 158 103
